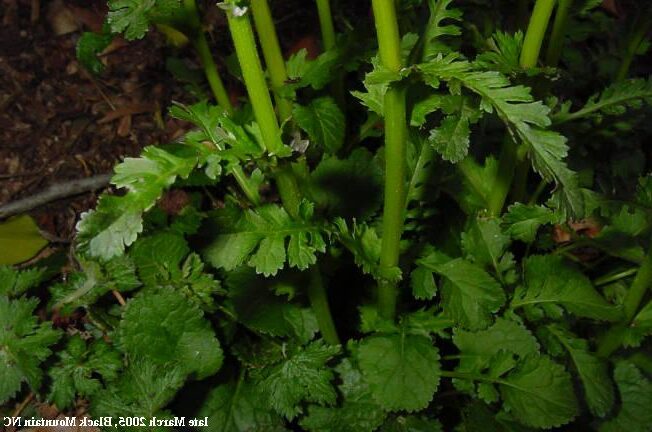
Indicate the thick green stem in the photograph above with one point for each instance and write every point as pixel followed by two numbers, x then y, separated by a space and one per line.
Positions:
pixel 536 31
pixel 556 43
pixel 254 78
pixel 389 44
pixel 326 24
pixel 640 30
pixel 612 340
pixel 272 53
pixel 319 302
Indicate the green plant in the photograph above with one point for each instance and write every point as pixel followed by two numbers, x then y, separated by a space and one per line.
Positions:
pixel 454 247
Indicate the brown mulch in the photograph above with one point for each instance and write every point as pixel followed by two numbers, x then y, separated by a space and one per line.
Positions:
pixel 57 121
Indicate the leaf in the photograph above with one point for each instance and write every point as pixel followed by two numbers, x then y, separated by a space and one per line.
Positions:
pixel 550 281
pixel 614 100
pixel 165 259
pixel 485 243
pixel 539 393
pixel 79 369
pixel 116 221
pixel 16 282
pixel 402 370
pixel 323 120
pixel 598 388
pixel 470 295
pixel 143 390
pixel 423 284
pixel 524 118
pixel 237 406
pixel 21 240
pixel 451 139
pixel 261 237
pixel 133 17
pixel 636 398
pixel 302 376
pixel 523 221
pixel 436 30
pixel 505 53
pixel 257 308
pixel 358 412
pixel 24 344
pixel 89 46
pixel 163 328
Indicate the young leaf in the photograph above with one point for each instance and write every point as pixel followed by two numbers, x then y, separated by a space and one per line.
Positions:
pixel 262 236
pixel 133 17
pixel 523 221
pixel 21 240
pixel 470 295
pixel 302 376
pixel 24 344
pixel 598 388
pixel 539 393
pixel 358 411
pixel 89 46
pixel 163 328
pixel 423 284
pixel 78 370
pixel 436 29
pixel 451 139
pixel 323 120
pixel 550 281
pixel 636 398
pixel 402 370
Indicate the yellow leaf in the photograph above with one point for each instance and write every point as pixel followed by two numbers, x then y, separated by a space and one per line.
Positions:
pixel 20 240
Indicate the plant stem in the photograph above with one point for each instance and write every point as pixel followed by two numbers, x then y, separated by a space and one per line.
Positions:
pixel 536 31
pixel 612 340
pixel 319 302
pixel 326 24
pixel 272 52
pixel 605 280
pixel 254 78
pixel 641 27
pixel 252 194
pixel 395 153
pixel 288 189
pixel 556 43
pixel 200 44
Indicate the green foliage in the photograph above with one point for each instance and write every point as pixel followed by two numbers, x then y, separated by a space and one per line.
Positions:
pixel 256 289
pixel 24 344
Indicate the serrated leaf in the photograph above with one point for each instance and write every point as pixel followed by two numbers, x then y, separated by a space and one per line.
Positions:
pixel 550 280
pixel 302 376
pixel 470 295
pixel 133 17
pixel 323 120
pixel 523 221
pixel 636 398
pixel 79 369
pixel 16 282
pixel 539 393
pixel 440 25
pixel 598 388
pixel 485 243
pixel 164 328
pixel 24 344
pixel 259 237
pixel 423 284
pixel 402 370
pixel 452 138
pixel 116 221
